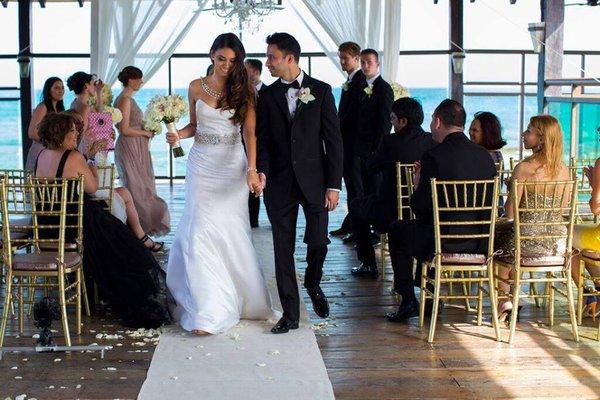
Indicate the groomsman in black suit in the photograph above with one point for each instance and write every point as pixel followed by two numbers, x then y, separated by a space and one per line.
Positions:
pixel 254 69
pixel 454 158
pixel 374 109
pixel 349 54
pixel 300 161
pixel 406 145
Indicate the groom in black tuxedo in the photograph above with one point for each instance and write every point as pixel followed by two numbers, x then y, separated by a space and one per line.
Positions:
pixel 300 163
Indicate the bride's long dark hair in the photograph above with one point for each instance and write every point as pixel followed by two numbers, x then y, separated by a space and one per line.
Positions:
pixel 238 94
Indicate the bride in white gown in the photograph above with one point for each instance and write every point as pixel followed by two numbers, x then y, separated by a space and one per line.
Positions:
pixel 213 271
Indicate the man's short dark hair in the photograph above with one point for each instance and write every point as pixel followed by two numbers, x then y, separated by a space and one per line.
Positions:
pixel 366 52
pixel 409 108
pixel 255 64
pixel 286 43
pixel 351 48
pixel 451 113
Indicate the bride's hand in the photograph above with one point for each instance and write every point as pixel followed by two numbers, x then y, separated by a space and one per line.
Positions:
pixel 253 182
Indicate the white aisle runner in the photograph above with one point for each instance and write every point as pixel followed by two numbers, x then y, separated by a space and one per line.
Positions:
pixel 248 362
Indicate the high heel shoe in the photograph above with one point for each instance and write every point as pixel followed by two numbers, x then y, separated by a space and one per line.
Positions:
pixel 591 308
pixel 506 314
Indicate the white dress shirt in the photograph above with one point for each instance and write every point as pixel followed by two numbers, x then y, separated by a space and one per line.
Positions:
pixel 292 93
pixel 371 80
pixel 258 86
pixel 351 75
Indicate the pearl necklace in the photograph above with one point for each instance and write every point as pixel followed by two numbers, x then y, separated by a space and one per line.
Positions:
pixel 212 93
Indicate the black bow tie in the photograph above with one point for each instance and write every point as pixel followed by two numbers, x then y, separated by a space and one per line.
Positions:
pixel 287 86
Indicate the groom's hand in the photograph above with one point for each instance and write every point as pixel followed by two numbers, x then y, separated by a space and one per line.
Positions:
pixel 331 199
pixel 263 180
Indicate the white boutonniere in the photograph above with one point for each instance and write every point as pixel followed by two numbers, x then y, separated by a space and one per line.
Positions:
pixel 369 90
pixel 305 96
pixel 345 86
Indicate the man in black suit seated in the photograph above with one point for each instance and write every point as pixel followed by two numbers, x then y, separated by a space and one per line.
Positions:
pixel 254 69
pixel 455 158
pixel 352 91
pixel 406 146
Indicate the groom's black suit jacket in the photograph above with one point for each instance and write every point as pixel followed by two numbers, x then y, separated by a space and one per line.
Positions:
pixel 307 148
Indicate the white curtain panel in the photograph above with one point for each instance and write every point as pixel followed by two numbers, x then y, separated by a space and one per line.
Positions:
pixel 391 40
pixel 370 23
pixel 143 33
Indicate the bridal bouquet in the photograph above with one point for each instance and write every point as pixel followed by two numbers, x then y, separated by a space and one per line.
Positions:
pixel 166 109
pixel 399 91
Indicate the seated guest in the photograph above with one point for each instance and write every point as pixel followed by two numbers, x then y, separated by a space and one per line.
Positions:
pixel 126 273
pixel 52 102
pixel 123 206
pixel 455 158
pixel 486 131
pixel 406 146
pixel 544 137
pixel 587 237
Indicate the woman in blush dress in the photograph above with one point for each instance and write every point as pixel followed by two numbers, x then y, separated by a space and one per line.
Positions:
pixel 52 102
pixel 133 158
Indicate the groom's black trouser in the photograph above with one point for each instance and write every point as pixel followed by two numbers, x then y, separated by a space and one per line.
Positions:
pixel 282 209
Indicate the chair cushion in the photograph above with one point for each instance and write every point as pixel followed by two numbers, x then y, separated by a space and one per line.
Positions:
pixel 53 246
pixel 20 220
pixel 535 261
pixel 594 255
pixel 463 258
pixel 13 236
pixel 45 261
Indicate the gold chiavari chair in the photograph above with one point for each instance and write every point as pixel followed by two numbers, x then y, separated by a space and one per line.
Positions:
pixel 462 211
pixel 555 203
pixel 51 199
pixel 404 187
pixel 106 185
pixel 591 258
pixel 584 190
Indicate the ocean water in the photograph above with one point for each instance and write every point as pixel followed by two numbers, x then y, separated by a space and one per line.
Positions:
pixel 505 107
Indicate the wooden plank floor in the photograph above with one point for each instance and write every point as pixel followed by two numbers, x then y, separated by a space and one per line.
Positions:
pixel 366 357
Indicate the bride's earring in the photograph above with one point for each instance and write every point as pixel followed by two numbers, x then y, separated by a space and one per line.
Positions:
pixel 539 147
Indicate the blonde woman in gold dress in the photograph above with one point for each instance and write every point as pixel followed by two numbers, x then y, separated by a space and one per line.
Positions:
pixel 587 237
pixel 544 137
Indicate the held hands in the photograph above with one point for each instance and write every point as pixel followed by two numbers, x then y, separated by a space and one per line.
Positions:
pixel 331 199
pixel 254 182
pixel 417 175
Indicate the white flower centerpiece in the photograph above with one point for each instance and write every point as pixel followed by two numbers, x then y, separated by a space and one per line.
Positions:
pixel 107 99
pixel 399 91
pixel 167 109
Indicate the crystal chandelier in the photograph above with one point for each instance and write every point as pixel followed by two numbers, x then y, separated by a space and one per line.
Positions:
pixel 247 13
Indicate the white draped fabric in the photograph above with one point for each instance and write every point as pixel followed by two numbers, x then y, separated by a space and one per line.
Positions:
pixel 370 23
pixel 143 33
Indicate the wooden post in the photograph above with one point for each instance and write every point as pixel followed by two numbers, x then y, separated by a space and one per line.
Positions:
pixel 25 86
pixel 551 56
pixel 456 44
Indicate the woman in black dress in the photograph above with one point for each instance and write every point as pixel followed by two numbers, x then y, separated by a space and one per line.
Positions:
pixel 126 273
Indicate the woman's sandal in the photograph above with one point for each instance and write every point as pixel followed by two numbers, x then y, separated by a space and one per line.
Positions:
pixel 199 332
pixel 154 247
pixel 591 307
pixel 506 314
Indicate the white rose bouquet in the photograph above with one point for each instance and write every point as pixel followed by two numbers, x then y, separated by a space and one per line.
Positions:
pixel 166 109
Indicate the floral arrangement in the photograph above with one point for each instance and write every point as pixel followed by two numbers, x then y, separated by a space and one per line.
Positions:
pixel 166 109
pixel 305 96
pixel 369 90
pixel 399 91
pixel 107 99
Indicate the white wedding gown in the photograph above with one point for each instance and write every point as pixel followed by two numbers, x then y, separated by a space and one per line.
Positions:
pixel 213 271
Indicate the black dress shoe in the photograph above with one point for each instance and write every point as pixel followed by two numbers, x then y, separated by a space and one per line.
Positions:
pixel 284 325
pixel 405 311
pixel 349 238
pixel 365 270
pixel 319 301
